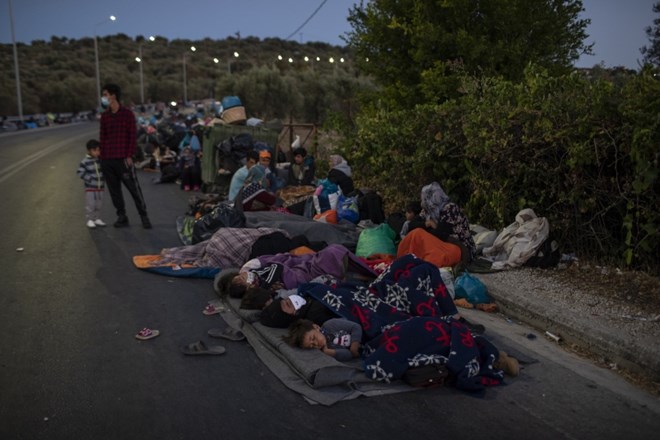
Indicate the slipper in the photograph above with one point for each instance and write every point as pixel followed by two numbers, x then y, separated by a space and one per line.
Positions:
pixel 200 348
pixel 227 333
pixel 211 309
pixel 146 333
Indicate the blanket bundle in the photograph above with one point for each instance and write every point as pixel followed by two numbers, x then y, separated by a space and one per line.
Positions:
pixel 407 318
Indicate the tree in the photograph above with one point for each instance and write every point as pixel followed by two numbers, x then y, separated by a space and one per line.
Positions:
pixel 652 53
pixel 405 43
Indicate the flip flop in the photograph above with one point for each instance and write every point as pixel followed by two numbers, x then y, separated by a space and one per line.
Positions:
pixel 212 309
pixel 146 333
pixel 200 348
pixel 227 333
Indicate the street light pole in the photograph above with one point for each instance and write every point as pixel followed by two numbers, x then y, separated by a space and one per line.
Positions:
pixel 96 58
pixel 140 60
pixel 16 69
pixel 185 85
pixel 141 75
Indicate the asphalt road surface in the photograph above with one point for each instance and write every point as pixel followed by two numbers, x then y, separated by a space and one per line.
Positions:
pixel 70 368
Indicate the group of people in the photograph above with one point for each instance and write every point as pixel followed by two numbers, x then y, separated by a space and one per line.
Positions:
pixel 109 160
pixel 274 268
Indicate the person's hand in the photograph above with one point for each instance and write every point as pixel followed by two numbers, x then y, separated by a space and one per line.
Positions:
pixel 430 223
pixel 129 161
pixel 276 286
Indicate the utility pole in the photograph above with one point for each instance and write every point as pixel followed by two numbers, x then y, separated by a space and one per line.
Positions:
pixel 16 69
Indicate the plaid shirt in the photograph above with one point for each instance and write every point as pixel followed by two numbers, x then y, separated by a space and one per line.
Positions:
pixel 118 134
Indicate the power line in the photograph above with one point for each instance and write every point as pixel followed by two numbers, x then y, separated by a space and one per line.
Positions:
pixel 306 21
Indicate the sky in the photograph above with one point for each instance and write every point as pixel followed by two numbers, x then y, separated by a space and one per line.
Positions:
pixel 617 26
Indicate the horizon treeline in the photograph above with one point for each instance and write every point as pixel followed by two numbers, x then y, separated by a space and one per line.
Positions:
pixel 274 78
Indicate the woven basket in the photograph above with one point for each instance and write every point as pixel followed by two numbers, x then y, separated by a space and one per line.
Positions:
pixel 234 115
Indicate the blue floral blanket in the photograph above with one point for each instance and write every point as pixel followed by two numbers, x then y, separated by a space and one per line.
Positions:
pixel 408 320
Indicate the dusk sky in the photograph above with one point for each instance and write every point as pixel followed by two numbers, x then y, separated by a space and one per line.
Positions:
pixel 617 27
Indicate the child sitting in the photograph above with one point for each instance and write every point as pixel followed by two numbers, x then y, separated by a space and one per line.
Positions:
pixel 413 218
pixel 338 337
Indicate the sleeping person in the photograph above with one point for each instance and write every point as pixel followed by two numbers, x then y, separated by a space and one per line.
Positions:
pixel 337 337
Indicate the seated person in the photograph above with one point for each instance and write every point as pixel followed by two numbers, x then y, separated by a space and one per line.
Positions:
pixel 255 194
pixel 165 159
pixel 340 174
pixel 238 179
pixel 302 170
pixel 191 170
pixel 413 218
pixel 446 239
pixel 337 337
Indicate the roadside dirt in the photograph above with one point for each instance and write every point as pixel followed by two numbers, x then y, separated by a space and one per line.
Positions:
pixel 632 296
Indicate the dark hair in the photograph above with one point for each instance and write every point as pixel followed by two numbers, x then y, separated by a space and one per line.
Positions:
pixel 255 298
pixel 236 290
pixel 113 89
pixel 299 151
pixel 415 207
pixel 252 154
pixel 273 316
pixel 92 144
pixel 297 332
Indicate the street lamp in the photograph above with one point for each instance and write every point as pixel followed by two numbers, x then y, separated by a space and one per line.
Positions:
pixel 185 81
pixel 96 55
pixel 236 55
pixel 139 60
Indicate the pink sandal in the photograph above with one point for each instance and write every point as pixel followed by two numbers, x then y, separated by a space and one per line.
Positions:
pixel 146 333
pixel 210 309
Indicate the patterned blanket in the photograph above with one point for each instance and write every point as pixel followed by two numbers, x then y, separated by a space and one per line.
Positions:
pixel 407 318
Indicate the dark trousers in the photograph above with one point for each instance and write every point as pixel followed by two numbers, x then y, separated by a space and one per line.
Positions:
pixel 116 172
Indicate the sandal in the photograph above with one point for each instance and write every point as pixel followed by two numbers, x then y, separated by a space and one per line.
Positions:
pixel 146 333
pixel 200 348
pixel 211 309
pixel 227 333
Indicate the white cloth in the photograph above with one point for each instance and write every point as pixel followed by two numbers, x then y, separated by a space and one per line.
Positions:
pixel 518 241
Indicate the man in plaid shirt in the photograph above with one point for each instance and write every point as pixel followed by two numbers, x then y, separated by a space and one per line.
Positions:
pixel 118 144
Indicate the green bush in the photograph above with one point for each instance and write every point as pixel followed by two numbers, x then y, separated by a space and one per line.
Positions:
pixel 581 152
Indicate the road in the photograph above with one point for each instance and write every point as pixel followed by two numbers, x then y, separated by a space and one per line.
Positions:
pixel 71 301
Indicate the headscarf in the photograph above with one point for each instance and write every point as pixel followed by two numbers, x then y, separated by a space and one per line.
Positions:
pixel 434 200
pixel 339 163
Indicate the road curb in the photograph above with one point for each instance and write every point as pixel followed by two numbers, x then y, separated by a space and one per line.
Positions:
pixel 637 355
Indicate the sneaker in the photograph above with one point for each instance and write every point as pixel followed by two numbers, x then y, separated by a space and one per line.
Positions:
pixel 91 224
pixel 507 364
pixel 99 222
pixel 122 221
pixel 196 188
pixel 186 188
pixel 146 224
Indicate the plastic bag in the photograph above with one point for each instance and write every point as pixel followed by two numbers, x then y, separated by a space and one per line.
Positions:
pixel 377 240
pixel 471 288
pixel 347 209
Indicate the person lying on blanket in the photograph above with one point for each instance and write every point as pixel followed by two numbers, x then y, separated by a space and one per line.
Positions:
pixel 232 247
pixel 288 271
pixel 339 338
pixel 408 319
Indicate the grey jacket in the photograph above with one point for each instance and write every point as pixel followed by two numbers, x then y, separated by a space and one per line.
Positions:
pixel 89 171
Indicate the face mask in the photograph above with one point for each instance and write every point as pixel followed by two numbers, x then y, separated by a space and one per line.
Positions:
pixel 105 102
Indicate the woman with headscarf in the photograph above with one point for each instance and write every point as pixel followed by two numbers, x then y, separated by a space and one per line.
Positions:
pixel 340 174
pixel 446 240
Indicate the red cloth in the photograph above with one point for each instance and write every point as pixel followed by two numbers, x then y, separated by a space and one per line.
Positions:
pixel 429 248
pixel 118 134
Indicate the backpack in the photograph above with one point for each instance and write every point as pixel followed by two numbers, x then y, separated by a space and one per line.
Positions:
pixel 547 255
